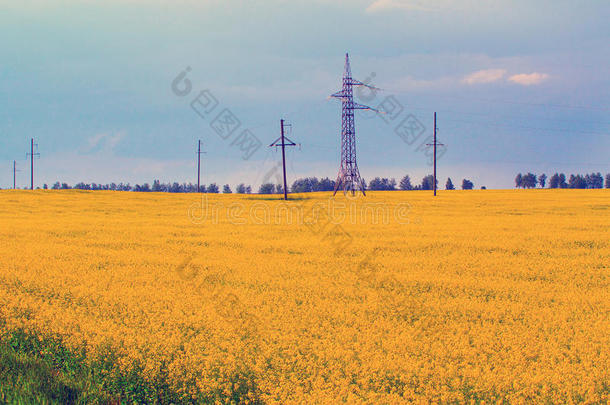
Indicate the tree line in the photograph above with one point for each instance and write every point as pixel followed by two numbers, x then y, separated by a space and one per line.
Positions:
pixel 312 184
pixel 301 185
pixel 559 180
pixel 156 186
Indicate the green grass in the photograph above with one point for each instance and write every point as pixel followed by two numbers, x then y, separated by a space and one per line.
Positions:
pixel 43 372
pixel 36 370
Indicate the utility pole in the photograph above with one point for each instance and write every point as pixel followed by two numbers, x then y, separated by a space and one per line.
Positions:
pixel 199 152
pixel 31 155
pixel 14 176
pixel 283 144
pixel 435 144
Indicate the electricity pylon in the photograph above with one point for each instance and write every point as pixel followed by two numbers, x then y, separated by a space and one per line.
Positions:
pixel 349 176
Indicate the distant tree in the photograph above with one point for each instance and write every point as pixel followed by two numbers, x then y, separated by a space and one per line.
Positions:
pixel 519 181
pixel 212 188
pixel 82 186
pixel 375 184
pixel 326 184
pixel 156 187
pixel 240 189
pixel 382 184
pixel 467 185
pixel 449 185
pixel 529 180
pixel 279 189
pixel 554 181
pixel 562 181
pixel 65 186
pixel 542 180
pixel 266 188
pixel 483 188
pixel 577 181
pixel 309 184
pixel 56 186
pixel 608 180
pixel 226 189
pixel 314 182
pixel 305 185
pixel 45 187
pixel 427 182
pixel 248 190
pixel 405 183
pixel 594 180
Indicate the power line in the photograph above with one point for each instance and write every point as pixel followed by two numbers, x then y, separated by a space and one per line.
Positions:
pixel 550 105
pixel 539 163
pixel 508 117
pixel 529 128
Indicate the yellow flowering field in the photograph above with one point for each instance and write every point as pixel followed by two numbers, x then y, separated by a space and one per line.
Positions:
pixel 473 296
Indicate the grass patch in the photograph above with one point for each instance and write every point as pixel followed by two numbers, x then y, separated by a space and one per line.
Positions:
pixel 33 371
pixel 43 371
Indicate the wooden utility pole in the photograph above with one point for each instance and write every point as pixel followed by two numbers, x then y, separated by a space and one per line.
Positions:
pixel 32 155
pixel 14 176
pixel 282 142
pixel 199 152
pixel 435 144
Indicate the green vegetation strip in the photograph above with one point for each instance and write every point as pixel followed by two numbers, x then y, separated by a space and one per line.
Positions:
pixel 44 371
pixel 35 370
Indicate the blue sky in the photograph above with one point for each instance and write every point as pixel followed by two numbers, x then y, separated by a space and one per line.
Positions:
pixel 518 86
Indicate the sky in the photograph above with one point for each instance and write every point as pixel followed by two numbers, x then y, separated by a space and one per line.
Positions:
pixel 518 86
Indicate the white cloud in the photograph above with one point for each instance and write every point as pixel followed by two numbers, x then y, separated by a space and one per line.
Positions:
pixel 431 6
pixel 484 76
pixel 103 142
pixel 526 79
pixel 379 5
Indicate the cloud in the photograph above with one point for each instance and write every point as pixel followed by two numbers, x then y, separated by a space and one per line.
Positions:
pixel 380 5
pixel 484 76
pixel 526 79
pixel 430 6
pixel 103 142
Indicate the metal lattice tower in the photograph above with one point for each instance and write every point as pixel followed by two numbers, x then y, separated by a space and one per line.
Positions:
pixel 349 176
